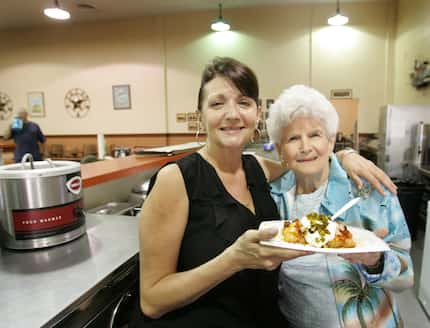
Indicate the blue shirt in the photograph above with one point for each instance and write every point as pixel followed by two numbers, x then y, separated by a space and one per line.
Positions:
pixel 27 141
pixel 349 289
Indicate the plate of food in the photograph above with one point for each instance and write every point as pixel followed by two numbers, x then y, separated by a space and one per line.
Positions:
pixel 318 233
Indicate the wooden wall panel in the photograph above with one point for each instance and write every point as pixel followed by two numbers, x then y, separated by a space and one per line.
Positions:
pixel 348 115
pixel 73 143
pixel 132 140
pixel 177 138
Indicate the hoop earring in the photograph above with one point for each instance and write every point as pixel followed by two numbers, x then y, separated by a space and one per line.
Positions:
pixel 256 136
pixel 198 134
pixel 197 137
pixel 284 163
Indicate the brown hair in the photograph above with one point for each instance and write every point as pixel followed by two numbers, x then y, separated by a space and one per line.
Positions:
pixel 239 74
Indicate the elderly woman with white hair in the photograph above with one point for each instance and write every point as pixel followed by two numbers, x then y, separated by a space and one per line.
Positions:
pixel 327 290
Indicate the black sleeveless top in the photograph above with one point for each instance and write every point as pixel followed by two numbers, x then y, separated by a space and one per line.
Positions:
pixel 216 220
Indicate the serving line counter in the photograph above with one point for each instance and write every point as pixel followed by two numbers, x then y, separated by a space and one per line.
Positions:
pixel 112 180
pixel 58 286
pixel 108 170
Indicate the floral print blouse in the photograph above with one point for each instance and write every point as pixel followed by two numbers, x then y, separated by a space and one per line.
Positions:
pixel 361 299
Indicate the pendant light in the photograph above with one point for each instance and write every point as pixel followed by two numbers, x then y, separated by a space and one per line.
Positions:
pixel 56 12
pixel 220 25
pixel 338 19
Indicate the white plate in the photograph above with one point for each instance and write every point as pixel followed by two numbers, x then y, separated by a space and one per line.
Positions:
pixel 365 240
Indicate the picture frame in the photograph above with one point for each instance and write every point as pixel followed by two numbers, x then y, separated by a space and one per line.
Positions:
pixel 341 94
pixel 191 117
pixel 192 126
pixel 36 104
pixel 181 117
pixel 121 96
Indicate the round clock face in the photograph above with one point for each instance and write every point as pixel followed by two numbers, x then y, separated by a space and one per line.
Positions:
pixel 5 106
pixel 77 102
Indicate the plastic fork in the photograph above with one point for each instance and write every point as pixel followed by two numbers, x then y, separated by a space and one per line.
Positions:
pixel 345 207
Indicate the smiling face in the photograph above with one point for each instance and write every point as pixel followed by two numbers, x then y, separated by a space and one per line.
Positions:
pixel 306 147
pixel 229 117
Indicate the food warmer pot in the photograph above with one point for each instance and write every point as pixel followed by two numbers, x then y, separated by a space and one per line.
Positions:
pixel 138 193
pixel 40 203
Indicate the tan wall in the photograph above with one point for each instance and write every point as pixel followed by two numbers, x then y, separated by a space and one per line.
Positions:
pixel 413 42
pixel 286 47
pixel 92 57
pixel 162 57
pixel 357 56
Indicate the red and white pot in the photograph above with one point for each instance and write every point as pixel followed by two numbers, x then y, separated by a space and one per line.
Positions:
pixel 40 205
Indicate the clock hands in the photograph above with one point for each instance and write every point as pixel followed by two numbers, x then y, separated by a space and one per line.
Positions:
pixel 77 102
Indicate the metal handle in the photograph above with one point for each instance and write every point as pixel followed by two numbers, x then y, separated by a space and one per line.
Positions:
pixel 25 158
pixel 115 310
pixel 50 162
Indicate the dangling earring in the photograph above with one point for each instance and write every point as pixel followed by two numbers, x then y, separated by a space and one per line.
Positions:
pixel 284 163
pixel 197 134
pixel 256 135
pixel 198 129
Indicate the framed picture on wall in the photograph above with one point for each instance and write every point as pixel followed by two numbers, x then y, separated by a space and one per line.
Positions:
pixel 121 96
pixel 36 104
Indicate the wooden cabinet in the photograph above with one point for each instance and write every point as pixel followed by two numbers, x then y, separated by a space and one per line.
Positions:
pixel 7 149
pixel 348 119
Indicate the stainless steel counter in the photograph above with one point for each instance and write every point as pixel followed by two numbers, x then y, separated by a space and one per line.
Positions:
pixel 425 169
pixel 36 286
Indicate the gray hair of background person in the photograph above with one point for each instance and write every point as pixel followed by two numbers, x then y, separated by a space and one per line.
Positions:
pixel 300 101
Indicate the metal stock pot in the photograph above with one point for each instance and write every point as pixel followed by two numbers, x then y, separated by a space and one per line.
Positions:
pixel 138 193
pixel 40 203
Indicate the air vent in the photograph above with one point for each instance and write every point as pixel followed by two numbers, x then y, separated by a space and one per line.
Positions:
pixel 86 6
pixel 341 94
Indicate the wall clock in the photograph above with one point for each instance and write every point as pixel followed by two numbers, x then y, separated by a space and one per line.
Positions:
pixel 5 106
pixel 77 102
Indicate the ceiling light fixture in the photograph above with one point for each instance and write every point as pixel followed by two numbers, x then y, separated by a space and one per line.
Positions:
pixel 220 25
pixel 56 12
pixel 338 19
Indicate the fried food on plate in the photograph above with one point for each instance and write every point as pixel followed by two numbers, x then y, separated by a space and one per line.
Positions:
pixel 317 230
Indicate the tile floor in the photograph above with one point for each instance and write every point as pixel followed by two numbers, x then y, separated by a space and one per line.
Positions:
pixel 410 308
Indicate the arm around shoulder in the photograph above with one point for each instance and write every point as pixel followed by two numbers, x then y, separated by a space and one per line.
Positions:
pixel 357 166
pixel 272 169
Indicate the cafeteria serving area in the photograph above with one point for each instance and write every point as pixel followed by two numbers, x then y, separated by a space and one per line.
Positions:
pixel 113 87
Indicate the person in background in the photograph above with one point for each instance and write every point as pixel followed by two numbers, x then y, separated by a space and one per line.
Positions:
pixel 201 263
pixel 330 291
pixel 28 137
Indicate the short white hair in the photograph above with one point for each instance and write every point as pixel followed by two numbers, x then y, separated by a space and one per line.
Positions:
pixel 299 101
